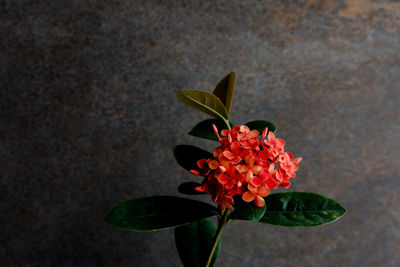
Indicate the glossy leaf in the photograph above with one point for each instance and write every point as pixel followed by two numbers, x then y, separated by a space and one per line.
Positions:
pixel 158 212
pixel 188 188
pixel 204 129
pixel 246 211
pixel 194 242
pixel 204 102
pixel 260 125
pixel 187 156
pixel 301 209
pixel 225 89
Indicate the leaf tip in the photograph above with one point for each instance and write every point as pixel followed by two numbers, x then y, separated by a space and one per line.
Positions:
pixel 107 219
pixel 110 217
pixel 341 213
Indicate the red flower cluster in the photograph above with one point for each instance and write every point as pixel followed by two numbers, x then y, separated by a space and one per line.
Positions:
pixel 244 165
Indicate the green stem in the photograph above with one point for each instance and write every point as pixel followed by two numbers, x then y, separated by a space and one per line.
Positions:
pixel 227 124
pixel 221 224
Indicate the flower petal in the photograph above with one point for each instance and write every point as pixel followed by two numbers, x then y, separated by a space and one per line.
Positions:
pixel 195 172
pixel 230 184
pixel 252 188
pixel 247 196
pixel 231 170
pixel 285 183
pixel 222 168
pixel 272 183
pixel 271 168
pixel 256 181
pixel 297 160
pixel 199 188
pixel 241 168
pixel 240 190
pixel 264 174
pixel 280 142
pixel 256 169
pixel 271 137
pixel 244 129
pixel 263 191
pixel 229 155
pixel 259 201
pixel 236 160
pixel 248 176
pixel 249 160
pixel 235 147
pixel 252 134
pixel 239 178
pixel 264 154
pixel 225 132
pixel 223 179
pixel 202 163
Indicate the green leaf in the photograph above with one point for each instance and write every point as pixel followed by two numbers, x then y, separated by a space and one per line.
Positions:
pixel 187 156
pixel 188 188
pixel 225 89
pixel 301 209
pixel 157 213
pixel 260 125
pixel 194 242
pixel 204 129
pixel 204 102
pixel 246 211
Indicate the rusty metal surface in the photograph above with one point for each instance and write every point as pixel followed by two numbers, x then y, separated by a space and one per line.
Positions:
pixel 88 116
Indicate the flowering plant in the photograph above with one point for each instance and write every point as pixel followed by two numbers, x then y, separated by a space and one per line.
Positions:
pixel 249 162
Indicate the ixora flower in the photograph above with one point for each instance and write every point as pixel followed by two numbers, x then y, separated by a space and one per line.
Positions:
pixel 245 165
pixel 239 175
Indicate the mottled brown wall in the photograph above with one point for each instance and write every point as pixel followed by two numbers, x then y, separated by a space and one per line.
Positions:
pixel 88 116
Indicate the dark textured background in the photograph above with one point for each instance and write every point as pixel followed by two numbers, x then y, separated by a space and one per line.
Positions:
pixel 89 116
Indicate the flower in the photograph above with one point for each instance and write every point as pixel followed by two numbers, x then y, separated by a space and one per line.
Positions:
pixel 275 144
pixel 256 194
pixel 245 165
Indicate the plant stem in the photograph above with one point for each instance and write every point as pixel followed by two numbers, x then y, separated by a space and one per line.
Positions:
pixel 221 224
pixel 227 124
